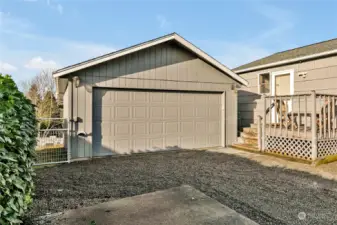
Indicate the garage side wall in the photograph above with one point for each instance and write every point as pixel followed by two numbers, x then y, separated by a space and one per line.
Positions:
pixel 164 67
pixel 231 117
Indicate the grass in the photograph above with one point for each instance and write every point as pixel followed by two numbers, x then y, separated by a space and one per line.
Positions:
pixel 326 160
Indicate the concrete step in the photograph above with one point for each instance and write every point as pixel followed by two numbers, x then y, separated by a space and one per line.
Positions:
pixel 249 135
pixel 253 125
pixel 245 147
pixel 244 140
pixel 250 130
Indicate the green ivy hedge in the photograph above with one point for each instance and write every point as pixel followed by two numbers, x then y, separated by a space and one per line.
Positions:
pixel 17 151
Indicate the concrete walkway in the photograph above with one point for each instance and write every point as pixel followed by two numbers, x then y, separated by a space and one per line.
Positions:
pixel 328 171
pixel 176 206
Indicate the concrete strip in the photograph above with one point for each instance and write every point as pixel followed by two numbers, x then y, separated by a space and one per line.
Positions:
pixel 328 171
pixel 176 206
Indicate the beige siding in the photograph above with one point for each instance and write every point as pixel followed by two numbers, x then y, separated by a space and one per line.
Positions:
pixel 163 67
pixel 66 103
pixel 231 120
pixel 321 77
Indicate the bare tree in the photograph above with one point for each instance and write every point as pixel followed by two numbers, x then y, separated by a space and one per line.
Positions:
pixel 43 81
pixel 41 90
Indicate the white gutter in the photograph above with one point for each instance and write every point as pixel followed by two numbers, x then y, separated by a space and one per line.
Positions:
pixel 288 61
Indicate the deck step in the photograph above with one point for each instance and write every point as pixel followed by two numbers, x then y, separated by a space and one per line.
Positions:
pixel 248 135
pixel 253 125
pixel 251 141
pixel 250 130
pixel 248 147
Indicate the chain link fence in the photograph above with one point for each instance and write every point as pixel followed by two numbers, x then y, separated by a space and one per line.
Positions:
pixel 52 141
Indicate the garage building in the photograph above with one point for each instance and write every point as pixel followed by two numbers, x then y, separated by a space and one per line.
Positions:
pixel 158 95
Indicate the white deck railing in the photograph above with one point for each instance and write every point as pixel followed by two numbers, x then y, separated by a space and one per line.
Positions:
pixel 302 126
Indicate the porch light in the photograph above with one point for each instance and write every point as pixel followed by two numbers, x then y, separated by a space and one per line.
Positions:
pixel 76 81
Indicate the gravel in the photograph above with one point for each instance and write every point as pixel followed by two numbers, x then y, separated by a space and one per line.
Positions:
pixel 267 195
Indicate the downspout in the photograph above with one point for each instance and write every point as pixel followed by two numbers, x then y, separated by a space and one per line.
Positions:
pixel 70 118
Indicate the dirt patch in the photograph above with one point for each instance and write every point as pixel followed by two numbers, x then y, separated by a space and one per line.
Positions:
pixel 266 195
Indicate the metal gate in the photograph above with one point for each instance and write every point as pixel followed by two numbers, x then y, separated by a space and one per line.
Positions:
pixel 52 141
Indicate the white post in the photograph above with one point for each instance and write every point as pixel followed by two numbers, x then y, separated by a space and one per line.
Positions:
pixel 259 132
pixel 313 126
pixel 69 140
pixel 263 131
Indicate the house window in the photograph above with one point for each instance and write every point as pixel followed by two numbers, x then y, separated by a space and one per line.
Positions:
pixel 264 83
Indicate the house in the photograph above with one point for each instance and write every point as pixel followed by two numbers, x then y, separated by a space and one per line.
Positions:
pixel 161 94
pixel 288 78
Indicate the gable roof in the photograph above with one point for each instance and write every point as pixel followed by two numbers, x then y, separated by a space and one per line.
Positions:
pixel 290 56
pixel 174 36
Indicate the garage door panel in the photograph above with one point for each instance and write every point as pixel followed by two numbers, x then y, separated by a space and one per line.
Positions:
pixel 171 97
pixel 122 146
pixel 171 112
pixel 187 112
pixel 201 141
pixel 187 98
pixel 156 128
pixel 140 112
pixel 122 96
pixel 156 112
pixel 187 127
pixel 140 97
pixel 187 142
pixel 122 129
pixel 156 143
pixel 172 127
pixel 214 112
pixel 140 144
pixel 214 140
pixel 200 127
pixel 214 99
pixel 122 112
pixel 201 111
pixel 132 121
pixel 156 97
pixel 213 127
pixel 140 128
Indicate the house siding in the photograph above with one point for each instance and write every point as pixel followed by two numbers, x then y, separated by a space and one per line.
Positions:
pixel 321 76
pixel 65 103
pixel 165 67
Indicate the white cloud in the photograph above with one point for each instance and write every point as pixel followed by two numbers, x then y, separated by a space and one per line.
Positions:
pixel 281 22
pixel 39 63
pixel 17 36
pixel 6 67
pixel 55 6
pixel 278 25
pixel 59 8
pixel 236 54
pixel 163 22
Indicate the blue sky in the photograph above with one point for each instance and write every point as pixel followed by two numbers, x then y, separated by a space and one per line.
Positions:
pixel 41 34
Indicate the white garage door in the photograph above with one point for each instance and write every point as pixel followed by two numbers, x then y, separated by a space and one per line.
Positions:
pixel 135 121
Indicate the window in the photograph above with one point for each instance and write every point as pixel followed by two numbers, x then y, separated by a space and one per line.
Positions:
pixel 264 83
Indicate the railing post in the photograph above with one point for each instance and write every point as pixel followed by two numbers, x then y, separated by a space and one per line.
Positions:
pixel 259 132
pixel 263 130
pixel 69 123
pixel 313 126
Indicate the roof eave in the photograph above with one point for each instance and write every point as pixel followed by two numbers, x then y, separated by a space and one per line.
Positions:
pixel 288 61
pixel 174 36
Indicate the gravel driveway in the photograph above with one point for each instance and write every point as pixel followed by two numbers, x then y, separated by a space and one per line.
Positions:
pixel 265 195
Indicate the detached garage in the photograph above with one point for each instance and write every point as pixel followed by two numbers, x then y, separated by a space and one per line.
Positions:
pixel 159 95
